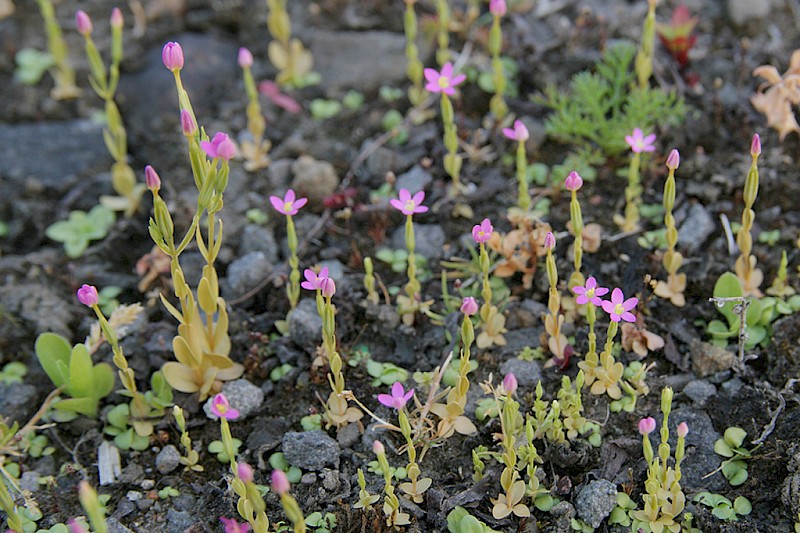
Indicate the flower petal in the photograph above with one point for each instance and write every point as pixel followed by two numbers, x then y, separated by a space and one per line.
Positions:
pixel 404 195
pixel 386 400
pixel 457 80
pixel 289 196
pixel 447 70
pixel 432 75
pixel 397 390
pixel 300 202
pixel 630 303
pixel 608 307
pixel 616 296
pixel 277 203
pixel 397 204
pixel 628 317
pixel 418 198
pixel 601 291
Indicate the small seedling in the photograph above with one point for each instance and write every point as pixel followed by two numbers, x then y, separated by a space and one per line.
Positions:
pixel 168 492
pixel 125 437
pixel 31 65
pixel 385 373
pixel 460 521
pixel 722 508
pixel 322 109
pixel 278 462
pixel 730 445
pixel 217 447
pixel 13 372
pixel 81 228
pixel 321 523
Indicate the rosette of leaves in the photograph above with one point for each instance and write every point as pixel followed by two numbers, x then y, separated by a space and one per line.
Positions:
pixel 730 445
pixel 71 369
pixel 460 521
pixel 81 228
pixel 722 507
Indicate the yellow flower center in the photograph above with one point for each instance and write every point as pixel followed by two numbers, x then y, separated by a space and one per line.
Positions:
pixel 619 310
pixel 590 293
pixel 410 205
pixel 222 409
pixel 287 206
pixel 444 83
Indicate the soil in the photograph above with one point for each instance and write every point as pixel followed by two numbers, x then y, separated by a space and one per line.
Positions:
pixel 54 161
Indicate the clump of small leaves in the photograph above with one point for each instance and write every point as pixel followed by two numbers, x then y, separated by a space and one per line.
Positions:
pixel 13 372
pixel 722 508
pixel 599 108
pixel 730 445
pixel 385 373
pixel 81 228
pixel 278 462
pixel 460 521
pixel 321 523
pixel 31 65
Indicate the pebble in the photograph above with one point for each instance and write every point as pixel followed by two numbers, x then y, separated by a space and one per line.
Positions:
pixel 699 391
pixel 246 272
pixel 168 459
pixel 30 481
pixel 305 324
pixel 310 450
pixel 180 521
pixel 742 12
pixel 244 396
pixel 416 179
pixel 430 239
pixel 595 501
pixel 527 373
pixel 315 180
pixel 709 359
pixel 257 238
pixel 695 230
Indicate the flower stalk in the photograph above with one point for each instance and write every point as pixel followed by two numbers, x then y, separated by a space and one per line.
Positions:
pixel 749 276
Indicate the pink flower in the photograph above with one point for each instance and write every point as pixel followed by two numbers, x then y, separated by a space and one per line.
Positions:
pixel 444 81
pixel 497 7
pixel 273 92
pixel 116 18
pixel 232 526
pixel 245 58
pixel 639 142
pixel 83 23
pixel 518 133
pixel 73 525
pixel 188 125
pixel 313 280
pixel 87 295
pixel 683 430
pixel 619 309
pixel 590 292
pixel 245 472
pixel 377 447
pixel 221 146
pixel 151 178
pixel 755 145
pixel 482 232
pixel 328 287
pixel 407 204
pixel 549 240
pixel 573 182
pixel 280 483
pixel 398 398
pixel 647 425
pixel 510 383
pixel 469 306
pixel 673 160
pixel 222 409
pixel 172 56
pixel 288 205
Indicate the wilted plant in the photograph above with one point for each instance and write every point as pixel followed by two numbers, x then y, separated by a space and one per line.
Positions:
pixel 444 83
pixel 520 250
pixel 104 81
pixel 676 283
pixel 498 103
pixel 63 73
pixel 782 92
pixel 749 276
pixel 255 148
pixel 287 54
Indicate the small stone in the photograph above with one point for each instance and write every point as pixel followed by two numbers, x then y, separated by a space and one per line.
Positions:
pixel 695 230
pixel 310 450
pixel 17 400
pixel 315 180
pixel 708 359
pixel 430 239
pixel 134 495
pixel 257 238
pixel 131 474
pixel 243 396
pixel 246 272
pixel 330 478
pixel 168 459
pixel 527 373
pixel 595 501
pixel 148 484
pixel 309 478
pixel 742 12
pixel 381 161
pixel 279 173
pixel 305 324
pixel 699 391
pixel 30 481
pixel 416 179
pixel 180 521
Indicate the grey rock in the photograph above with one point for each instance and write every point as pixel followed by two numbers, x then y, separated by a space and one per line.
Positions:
pixel 595 501
pixel 699 391
pixel 416 179
pixel 17 401
pixel 367 59
pixel 305 324
pixel 330 478
pixel 29 150
pixel 429 239
pixel 114 526
pixel 335 268
pixel 527 373
pixel 381 161
pixel 37 304
pixel 244 396
pixel 562 513
pixel 134 495
pixel 131 474
pixel 742 12
pixel 29 481
pixel 255 238
pixel 314 180
pixel 695 230
pixel 246 272
pixel 309 478
pixel 279 173
pixel 311 450
pixel 348 435
pixel 180 521
pixel 168 459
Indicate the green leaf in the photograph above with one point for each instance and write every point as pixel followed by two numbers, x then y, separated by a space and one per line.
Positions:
pixel 722 448
pixel 31 65
pixel 735 472
pixel 742 505
pixel 102 380
pixel 119 415
pixel 728 286
pixel 735 436
pixel 85 406
pixel 322 109
pixel 724 512
pixel 52 349
pixel 80 373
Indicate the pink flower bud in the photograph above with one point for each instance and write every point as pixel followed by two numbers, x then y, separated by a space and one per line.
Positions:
pixel 377 448
pixel 573 182
pixel 673 160
pixel 188 125
pixel 755 145
pixel 549 240
pixel 280 483
pixel 74 526
pixel 151 178
pixel 510 383
pixel 647 425
pixel 469 306
pixel 83 23
pixel 172 56
pixel 87 295
pixel 683 430
pixel 327 287
pixel 497 7
pixel 245 472
pixel 116 18
pixel 245 58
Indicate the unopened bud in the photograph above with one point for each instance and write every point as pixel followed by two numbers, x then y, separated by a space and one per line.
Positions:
pixel 673 160
pixel 755 145
pixel 245 58
pixel 116 18
pixel 151 178
pixel 280 483
pixel 83 23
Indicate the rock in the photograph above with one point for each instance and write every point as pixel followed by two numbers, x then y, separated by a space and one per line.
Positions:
pixel 429 239
pixel 366 59
pixel 114 526
pixel 562 514
pixel 527 373
pixel 255 238
pixel 246 272
pixel 131 474
pixel 38 304
pixel 525 314
pixel 244 396
pixel 348 435
pixel 315 180
pixel 416 179
pixel 699 391
pixel 180 521
pixel 305 324
pixel 742 12
pixel 310 450
pixel 279 173
pixel 330 478
pixel 168 459
pixel 708 359
pixel 595 501
pixel 381 161
pixel 17 401
pixel 30 481
pixel 696 228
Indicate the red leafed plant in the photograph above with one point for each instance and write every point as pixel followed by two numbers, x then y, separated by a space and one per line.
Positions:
pixel 677 36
